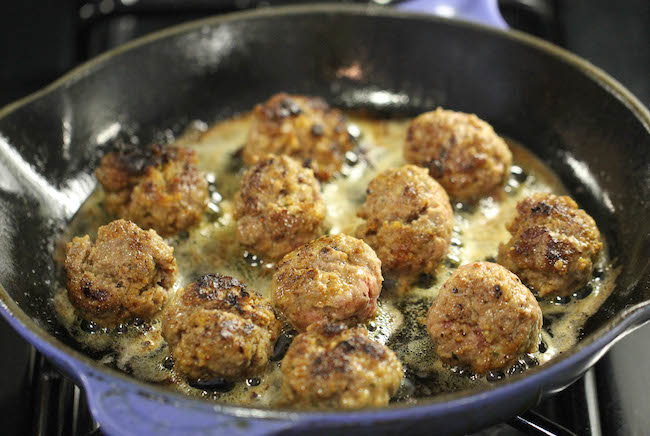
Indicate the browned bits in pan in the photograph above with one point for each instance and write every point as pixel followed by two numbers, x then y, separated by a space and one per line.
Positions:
pixel 125 274
pixel 156 187
pixel 409 220
pixel 334 278
pixel 460 151
pixel 336 367
pixel 484 318
pixel 278 207
pixel 304 128
pixel 217 328
pixel 553 245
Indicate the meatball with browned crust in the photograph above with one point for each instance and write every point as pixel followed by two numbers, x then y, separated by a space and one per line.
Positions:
pixel 125 274
pixel 334 278
pixel 461 151
pixel 408 220
pixel 278 207
pixel 218 328
pixel 484 318
pixel 304 128
pixel 553 246
pixel 156 187
pixel 331 366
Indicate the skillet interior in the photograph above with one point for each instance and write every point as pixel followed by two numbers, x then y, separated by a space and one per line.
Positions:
pixel 587 134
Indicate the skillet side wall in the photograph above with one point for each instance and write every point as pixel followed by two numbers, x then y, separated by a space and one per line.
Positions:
pixel 591 138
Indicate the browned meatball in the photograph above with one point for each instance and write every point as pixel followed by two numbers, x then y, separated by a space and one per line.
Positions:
pixel 460 151
pixel 302 127
pixel 484 318
pixel 156 187
pixel 408 220
pixel 553 245
pixel 217 328
pixel 335 367
pixel 334 278
pixel 125 274
pixel 279 207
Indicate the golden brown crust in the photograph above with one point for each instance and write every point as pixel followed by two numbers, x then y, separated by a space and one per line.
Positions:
pixel 484 318
pixel 408 220
pixel 278 208
pixel 304 128
pixel 125 274
pixel 553 245
pixel 334 278
pixel 331 366
pixel 461 151
pixel 156 187
pixel 217 328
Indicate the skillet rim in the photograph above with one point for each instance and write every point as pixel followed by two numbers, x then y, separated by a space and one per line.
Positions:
pixel 596 344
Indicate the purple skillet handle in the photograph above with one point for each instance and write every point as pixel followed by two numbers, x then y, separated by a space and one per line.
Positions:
pixel 478 11
pixel 124 410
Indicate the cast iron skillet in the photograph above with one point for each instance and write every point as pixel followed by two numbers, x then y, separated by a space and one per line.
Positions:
pixel 579 120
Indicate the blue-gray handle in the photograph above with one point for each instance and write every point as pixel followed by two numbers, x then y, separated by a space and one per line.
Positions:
pixel 122 410
pixel 478 11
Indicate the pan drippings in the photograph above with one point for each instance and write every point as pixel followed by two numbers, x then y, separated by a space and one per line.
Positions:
pixel 212 247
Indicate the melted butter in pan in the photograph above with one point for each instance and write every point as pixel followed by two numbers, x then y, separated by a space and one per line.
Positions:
pixel 212 247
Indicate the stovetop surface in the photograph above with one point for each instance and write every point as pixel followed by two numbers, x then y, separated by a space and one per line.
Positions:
pixel 611 400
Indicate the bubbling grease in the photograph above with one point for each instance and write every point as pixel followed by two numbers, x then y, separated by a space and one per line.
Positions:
pixel 211 247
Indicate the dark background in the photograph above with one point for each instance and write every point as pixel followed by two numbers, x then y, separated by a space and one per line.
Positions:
pixel 40 40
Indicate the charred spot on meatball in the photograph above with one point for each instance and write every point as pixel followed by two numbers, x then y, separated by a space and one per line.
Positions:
pixel 217 328
pixel 331 366
pixel 278 208
pixel 304 128
pixel 125 274
pixel 553 246
pixel 484 318
pixel 409 220
pixel 461 151
pixel 157 187
pixel 334 278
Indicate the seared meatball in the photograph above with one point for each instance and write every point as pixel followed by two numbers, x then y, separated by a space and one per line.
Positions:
pixel 334 278
pixel 156 187
pixel 217 328
pixel 302 127
pixel 460 151
pixel 408 220
pixel 335 367
pixel 484 318
pixel 279 207
pixel 553 245
pixel 125 274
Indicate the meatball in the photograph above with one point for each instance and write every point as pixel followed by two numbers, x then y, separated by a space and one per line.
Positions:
pixel 553 245
pixel 408 220
pixel 460 151
pixel 279 207
pixel 334 278
pixel 156 187
pixel 335 367
pixel 484 318
pixel 125 274
pixel 216 328
pixel 302 127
